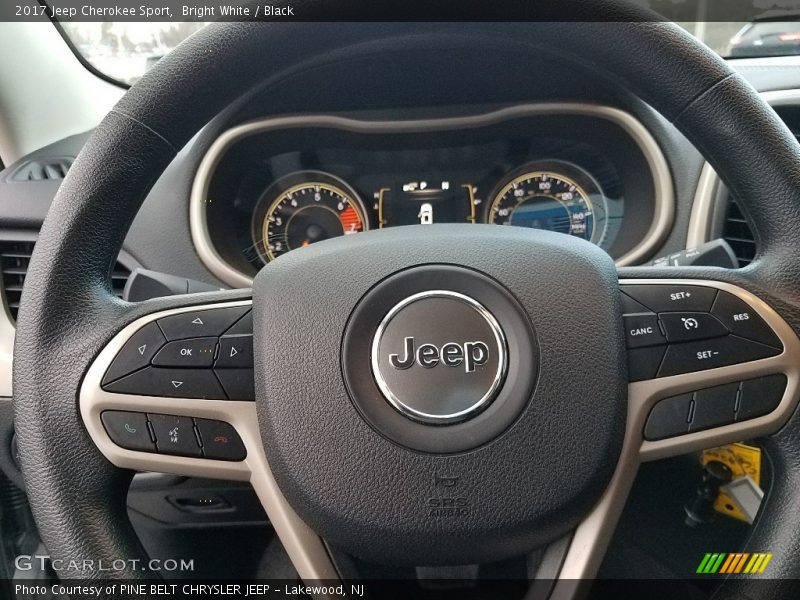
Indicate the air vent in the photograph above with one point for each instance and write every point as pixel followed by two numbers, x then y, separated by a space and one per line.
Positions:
pixel 738 234
pixel 14 259
pixel 50 169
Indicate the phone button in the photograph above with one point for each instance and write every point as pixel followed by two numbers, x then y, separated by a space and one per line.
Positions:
pixel 128 429
pixel 220 440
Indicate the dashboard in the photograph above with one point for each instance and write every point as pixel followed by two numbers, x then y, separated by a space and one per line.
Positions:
pixel 271 186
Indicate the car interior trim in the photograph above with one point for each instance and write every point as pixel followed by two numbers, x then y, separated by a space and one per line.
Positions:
pixel 664 197
pixel 587 547
pixel 701 221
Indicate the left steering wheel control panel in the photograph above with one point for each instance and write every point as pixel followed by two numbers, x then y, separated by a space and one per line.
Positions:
pixel 199 354
pixel 174 391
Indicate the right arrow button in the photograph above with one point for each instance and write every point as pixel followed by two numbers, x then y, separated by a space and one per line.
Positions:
pixel 235 352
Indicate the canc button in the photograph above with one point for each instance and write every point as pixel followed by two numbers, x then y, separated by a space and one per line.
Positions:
pixel 642 330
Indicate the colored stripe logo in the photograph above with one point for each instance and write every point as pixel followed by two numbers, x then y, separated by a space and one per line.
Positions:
pixel 733 563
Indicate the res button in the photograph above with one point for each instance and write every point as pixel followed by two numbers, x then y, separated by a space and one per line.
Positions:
pixel 742 320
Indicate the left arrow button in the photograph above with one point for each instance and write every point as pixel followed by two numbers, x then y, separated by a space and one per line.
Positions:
pixel 136 353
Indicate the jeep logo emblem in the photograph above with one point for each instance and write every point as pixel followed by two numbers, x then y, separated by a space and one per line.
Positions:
pixel 470 354
pixel 439 357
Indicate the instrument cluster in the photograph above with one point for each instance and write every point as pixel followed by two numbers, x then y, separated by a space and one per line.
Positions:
pixel 282 186
pixel 310 206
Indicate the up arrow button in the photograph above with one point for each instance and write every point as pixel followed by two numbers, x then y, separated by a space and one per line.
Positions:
pixel 201 323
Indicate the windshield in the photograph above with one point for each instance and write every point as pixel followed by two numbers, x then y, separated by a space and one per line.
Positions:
pixel 125 50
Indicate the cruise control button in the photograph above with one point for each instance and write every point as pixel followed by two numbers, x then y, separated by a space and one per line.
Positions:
pixel 136 353
pixel 760 396
pixel 220 440
pixel 714 407
pixel 688 326
pixel 201 323
pixel 128 429
pixel 643 363
pixel 239 384
pixel 198 352
pixel 175 435
pixel 235 352
pixel 669 298
pixel 668 418
pixel 710 354
pixel 742 320
pixel 172 383
pixel 642 330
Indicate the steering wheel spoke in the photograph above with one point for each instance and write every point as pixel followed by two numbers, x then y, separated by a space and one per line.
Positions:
pixel 172 392
pixel 709 364
pixel 711 348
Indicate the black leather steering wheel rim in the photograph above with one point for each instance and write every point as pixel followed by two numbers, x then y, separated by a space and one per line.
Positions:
pixel 68 313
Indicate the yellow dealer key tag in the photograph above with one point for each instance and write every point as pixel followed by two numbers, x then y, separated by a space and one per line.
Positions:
pixel 743 461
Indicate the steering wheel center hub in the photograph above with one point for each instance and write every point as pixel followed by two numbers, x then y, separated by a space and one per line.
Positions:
pixel 439 357
pixel 485 355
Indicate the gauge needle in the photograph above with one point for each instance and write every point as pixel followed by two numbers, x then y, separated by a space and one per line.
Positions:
pixel 306 243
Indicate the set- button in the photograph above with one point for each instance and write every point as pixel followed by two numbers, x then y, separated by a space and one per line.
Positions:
pixel 674 329
pixel 174 435
pixel 204 354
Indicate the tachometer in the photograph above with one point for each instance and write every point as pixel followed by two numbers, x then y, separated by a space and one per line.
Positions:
pixel 556 196
pixel 304 208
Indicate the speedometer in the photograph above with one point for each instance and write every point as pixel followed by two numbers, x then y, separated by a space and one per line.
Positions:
pixel 304 208
pixel 555 196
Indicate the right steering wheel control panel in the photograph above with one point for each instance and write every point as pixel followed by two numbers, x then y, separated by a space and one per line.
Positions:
pixel 675 329
pixel 676 333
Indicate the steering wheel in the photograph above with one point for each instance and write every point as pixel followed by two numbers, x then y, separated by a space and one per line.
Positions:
pixel 423 395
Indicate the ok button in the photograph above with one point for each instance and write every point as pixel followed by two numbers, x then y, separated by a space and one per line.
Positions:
pixel 197 352
pixel 642 330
